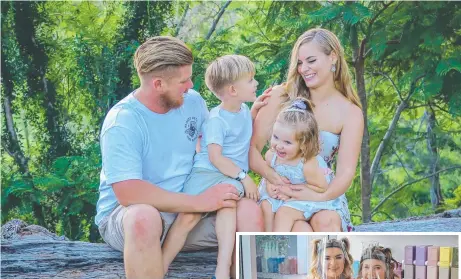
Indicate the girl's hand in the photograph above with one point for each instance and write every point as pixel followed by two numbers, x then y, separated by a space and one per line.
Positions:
pixel 287 192
pixel 283 197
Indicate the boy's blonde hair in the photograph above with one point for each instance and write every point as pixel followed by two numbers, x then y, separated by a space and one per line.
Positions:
pixel 161 55
pixel 226 70
pixel 299 115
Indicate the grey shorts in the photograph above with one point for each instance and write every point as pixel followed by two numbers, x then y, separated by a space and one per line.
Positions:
pixel 201 179
pixel 201 237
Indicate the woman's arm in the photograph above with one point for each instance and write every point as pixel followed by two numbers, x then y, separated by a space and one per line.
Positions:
pixel 348 154
pixel 262 131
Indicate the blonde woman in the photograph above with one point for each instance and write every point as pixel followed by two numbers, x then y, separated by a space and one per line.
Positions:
pixel 377 263
pixel 331 259
pixel 319 72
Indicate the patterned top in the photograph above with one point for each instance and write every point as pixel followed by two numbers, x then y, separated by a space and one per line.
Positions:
pixel 329 146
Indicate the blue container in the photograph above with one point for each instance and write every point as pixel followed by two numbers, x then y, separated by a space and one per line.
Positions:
pixel 355 269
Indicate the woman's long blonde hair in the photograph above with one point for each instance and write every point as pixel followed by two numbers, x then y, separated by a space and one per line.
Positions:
pixel 295 86
pixel 317 252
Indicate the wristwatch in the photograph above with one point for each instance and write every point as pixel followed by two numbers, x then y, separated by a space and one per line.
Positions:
pixel 241 175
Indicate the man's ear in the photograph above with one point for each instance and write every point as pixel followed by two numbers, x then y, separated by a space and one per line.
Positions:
pixel 158 83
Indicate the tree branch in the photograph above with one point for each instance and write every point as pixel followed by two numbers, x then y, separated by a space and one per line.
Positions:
pixel 372 21
pixel 216 20
pixel 401 162
pixel 410 183
pixel 259 27
pixel 181 22
pixel 444 110
pixel 393 83
pixel 390 130
pixel 17 153
pixel 384 213
pixel 7 150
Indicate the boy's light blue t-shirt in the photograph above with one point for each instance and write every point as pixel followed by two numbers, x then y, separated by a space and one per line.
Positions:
pixel 137 143
pixel 230 130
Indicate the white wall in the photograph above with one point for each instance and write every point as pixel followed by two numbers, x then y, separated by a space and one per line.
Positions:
pixel 397 243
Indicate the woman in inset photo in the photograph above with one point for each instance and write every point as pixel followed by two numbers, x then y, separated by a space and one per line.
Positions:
pixel 377 263
pixel 331 259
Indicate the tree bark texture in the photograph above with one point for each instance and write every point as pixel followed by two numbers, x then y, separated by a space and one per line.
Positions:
pixel 30 251
pixel 365 179
pixel 431 139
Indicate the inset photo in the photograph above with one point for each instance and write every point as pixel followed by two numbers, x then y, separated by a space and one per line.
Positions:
pixel 348 256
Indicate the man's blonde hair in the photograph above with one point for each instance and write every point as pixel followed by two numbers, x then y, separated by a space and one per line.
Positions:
pixel 226 70
pixel 161 54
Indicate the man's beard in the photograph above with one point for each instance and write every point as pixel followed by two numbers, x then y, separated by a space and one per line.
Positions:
pixel 168 102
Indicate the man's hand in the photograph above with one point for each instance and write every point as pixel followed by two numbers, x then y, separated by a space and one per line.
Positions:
pixel 251 190
pixel 219 196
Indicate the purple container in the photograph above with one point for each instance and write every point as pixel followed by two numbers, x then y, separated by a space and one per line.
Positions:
pixel 421 255
pixel 410 252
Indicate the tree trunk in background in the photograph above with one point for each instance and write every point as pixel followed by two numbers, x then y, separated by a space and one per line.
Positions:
pixel 10 140
pixel 365 178
pixel 181 22
pixel 431 139
pixel 216 20
pixel 130 33
pixel 143 20
pixel 27 17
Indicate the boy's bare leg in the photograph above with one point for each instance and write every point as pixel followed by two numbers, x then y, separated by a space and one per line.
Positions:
pixel 285 218
pixel 177 235
pixel 142 250
pixel 226 226
pixel 268 216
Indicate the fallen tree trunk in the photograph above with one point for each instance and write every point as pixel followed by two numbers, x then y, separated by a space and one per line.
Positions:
pixel 34 252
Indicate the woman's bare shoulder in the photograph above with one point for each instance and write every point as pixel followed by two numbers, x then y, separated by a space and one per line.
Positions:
pixel 353 118
pixel 347 107
pixel 276 98
pixel 278 91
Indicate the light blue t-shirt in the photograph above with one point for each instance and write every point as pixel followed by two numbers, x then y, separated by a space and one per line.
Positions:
pixel 137 143
pixel 230 130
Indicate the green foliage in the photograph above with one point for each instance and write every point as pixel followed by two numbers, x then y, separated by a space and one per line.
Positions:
pixel 84 52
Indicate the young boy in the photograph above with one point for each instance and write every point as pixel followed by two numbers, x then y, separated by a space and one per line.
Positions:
pixel 223 156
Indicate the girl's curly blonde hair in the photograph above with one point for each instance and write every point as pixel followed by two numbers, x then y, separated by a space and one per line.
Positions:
pixel 299 114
